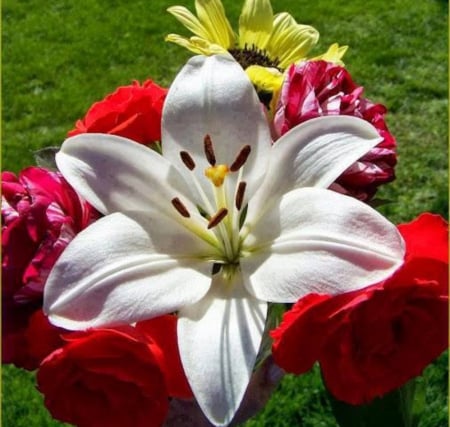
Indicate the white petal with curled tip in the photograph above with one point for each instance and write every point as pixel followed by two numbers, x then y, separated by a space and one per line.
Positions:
pixel 202 100
pixel 317 240
pixel 125 268
pixel 312 154
pixel 116 174
pixel 219 338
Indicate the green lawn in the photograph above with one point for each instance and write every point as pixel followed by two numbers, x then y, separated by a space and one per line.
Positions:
pixel 59 56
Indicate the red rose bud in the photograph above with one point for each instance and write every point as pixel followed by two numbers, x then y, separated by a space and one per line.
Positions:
pixel 372 341
pixel 133 112
pixel 104 378
pixel 41 214
pixel 319 88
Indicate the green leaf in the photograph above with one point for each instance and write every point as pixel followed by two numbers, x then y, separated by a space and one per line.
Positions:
pixel 45 157
pixel 394 409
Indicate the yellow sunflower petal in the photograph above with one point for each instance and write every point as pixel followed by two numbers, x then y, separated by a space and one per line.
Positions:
pixel 333 54
pixel 211 14
pixel 266 79
pixel 189 20
pixel 196 44
pixel 290 41
pixel 255 23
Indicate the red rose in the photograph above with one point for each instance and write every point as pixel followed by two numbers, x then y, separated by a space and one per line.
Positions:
pixel 29 337
pixel 41 214
pixel 319 88
pixel 105 378
pixel 131 111
pixel 161 334
pixel 372 341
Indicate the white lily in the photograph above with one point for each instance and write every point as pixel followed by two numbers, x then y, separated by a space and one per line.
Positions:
pixel 221 195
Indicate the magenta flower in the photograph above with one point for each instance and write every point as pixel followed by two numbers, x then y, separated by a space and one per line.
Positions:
pixel 41 214
pixel 319 88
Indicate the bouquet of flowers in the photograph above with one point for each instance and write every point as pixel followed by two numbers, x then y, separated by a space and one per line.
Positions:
pixel 185 247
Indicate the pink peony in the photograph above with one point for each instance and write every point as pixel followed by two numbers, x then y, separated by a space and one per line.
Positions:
pixel 319 88
pixel 41 214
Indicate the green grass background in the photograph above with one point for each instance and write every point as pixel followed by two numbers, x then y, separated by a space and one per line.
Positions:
pixel 59 56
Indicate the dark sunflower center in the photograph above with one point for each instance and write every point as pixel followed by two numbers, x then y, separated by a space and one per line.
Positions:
pixel 253 56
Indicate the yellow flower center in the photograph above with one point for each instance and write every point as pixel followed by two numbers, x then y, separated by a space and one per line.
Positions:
pixel 217 174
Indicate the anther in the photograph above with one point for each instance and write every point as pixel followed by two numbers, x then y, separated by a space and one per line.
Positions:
pixel 178 205
pixel 187 160
pixel 240 195
pixel 241 158
pixel 209 150
pixel 216 218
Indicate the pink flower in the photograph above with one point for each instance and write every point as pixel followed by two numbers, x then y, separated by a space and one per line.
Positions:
pixel 41 214
pixel 372 341
pixel 114 377
pixel 319 88
pixel 133 112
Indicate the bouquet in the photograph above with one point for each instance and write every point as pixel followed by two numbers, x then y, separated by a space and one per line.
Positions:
pixel 185 247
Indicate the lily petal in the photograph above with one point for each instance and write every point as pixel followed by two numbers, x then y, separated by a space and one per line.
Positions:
pixel 144 268
pixel 116 174
pixel 319 241
pixel 290 42
pixel 201 101
pixel 255 23
pixel 221 335
pixel 312 154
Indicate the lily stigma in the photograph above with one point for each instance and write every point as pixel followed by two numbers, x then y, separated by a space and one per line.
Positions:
pixel 218 226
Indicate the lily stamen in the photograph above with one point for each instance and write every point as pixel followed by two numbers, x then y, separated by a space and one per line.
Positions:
pixel 217 218
pixel 187 160
pixel 180 207
pixel 209 150
pixel 240 195
pixel 241 158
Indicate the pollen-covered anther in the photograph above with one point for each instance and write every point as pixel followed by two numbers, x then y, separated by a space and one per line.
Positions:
pixel 217 217
pixel 217 174
pixel 241 158
pixel 179 206
pixel 187 160
pixel 240 195
pixel 209 150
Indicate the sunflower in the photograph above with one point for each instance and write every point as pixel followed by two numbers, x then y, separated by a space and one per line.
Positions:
pixel 263 39
pixel 265 45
